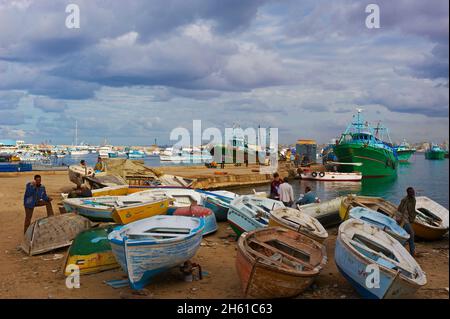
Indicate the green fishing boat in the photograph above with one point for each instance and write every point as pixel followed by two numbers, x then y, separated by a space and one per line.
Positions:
pixel 435 153
pixel 91 252
pixel 362 148
pixel 404 152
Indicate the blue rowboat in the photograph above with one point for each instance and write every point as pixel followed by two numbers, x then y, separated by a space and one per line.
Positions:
pixel 153 245
pixel 375 263
pixel 249 212
pixel 386 223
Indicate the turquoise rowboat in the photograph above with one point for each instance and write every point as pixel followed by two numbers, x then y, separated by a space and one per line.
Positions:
pixel 150 246
pixel 249 212
pixel 375 263
pixel 218 202
pixel 383 222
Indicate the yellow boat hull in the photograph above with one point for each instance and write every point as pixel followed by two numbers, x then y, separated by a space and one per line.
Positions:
pixel 427 232
pixel 93 263
pixel 130 214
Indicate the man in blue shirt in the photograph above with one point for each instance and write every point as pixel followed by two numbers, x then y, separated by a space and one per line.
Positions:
pixel 308 198
pixel 35 195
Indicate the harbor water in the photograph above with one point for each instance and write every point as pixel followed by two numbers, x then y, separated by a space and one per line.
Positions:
pixel 428 177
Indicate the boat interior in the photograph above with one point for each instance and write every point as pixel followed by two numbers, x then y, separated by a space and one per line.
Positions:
pixel 161 233
pixel 380 254
pixel 286 252
pixel 298 224
pixel 427 217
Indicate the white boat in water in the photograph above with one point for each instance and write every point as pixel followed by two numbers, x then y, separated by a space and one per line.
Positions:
pixel 331 176
pixel 150 246
pixel 360 245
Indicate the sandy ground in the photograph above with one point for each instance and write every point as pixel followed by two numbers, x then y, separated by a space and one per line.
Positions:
pixel 40 276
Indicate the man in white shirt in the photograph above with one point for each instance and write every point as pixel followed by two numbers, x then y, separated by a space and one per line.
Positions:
pixel 286 193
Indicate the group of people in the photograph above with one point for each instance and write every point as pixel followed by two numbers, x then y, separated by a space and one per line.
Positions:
pixel 281 190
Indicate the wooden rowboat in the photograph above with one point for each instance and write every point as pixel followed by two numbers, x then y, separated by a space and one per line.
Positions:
pixel 300 222
pixel 385 223
pixel 432 219
pixel 377 204
pixel 91 252
pixel 49 233
pixel 431 222
pixel 277 262
pixel 120 209
pixel 153 245
pixel 360 245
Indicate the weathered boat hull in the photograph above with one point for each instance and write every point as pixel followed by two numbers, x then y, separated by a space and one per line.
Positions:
pixel 49 233
pixel 266 281
pixel 199 212
pixel 354 269
pixel 428 233
pixel 327 212
pixel 91 252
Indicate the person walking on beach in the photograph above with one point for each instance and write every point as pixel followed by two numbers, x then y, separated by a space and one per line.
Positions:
pixel 274 187
pixel 286 193
pixel 407 210
pixel 35 195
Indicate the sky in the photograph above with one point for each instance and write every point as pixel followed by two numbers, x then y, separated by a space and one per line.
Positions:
pixel 136 70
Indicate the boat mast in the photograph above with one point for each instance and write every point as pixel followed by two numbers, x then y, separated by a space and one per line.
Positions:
pixel 76 132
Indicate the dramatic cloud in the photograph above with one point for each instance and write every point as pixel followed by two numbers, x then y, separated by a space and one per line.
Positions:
pixel 145 67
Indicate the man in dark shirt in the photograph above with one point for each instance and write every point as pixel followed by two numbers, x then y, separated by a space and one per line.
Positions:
pixel 274 186
pixel 35 195
pixel 407 210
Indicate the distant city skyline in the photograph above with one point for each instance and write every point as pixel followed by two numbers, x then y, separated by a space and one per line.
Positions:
pixel 136 70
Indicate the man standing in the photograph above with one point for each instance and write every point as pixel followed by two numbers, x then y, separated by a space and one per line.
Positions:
pixel 286 193
pixel 35 195
pixel 274 187
pixel 407 210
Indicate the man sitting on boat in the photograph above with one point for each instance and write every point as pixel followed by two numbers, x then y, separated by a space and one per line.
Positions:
pixel 99 167
pixel 35 195
pixel 286 193
pixel 407 210
pixel 308 198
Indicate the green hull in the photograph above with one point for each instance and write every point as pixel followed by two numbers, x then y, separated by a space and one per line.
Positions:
pixel 435 155
pixel 404 156
pixel 376 162
pixel 91 241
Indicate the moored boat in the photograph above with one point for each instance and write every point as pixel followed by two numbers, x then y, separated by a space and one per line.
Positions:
pixel 404 152
pixel 276 262
pixel 434 153
pixel 121 209
pixel 150 246
pixel 362 249
pixel 331 176
pixel 360 143
pixel 248 213
pixel 199 212
pixel 91 252
pixel 383 222
pixel 298 221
